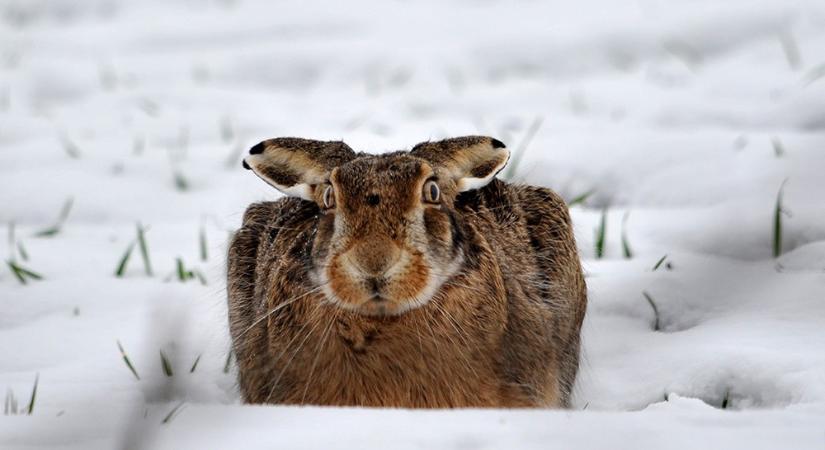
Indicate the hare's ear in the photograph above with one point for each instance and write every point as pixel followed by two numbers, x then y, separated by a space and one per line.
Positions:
pixel 472 161
pixel 295 166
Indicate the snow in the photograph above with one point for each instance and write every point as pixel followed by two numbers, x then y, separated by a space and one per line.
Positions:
pixel 683 117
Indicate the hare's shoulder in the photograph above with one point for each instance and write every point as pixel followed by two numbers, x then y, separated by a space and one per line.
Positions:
pixel 546 216
pixel 270 230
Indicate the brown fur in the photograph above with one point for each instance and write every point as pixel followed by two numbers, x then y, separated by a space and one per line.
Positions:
pixel 500 330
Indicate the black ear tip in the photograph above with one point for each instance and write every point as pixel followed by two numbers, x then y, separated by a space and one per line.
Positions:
pixel 245 165
pixel 498 144
pixel 257 149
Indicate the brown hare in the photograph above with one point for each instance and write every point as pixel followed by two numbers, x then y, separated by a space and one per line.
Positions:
pixel 408 279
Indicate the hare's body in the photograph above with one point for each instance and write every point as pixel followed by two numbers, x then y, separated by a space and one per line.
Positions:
pixel 501 328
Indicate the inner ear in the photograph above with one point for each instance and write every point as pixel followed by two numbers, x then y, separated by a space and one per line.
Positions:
pixel 295 166
pixel 472 161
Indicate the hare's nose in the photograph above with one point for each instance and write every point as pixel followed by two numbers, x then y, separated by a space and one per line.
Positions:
pixel 375 257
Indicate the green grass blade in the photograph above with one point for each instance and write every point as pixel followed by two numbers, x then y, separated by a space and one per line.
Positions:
pixel 181 183
pixel 171 414
pixel 628 253
pixel 70 147
pixel 521 149
pixel 601 233
pixel 228 362
pixel 144 249
pixel 21 273
pixel 167 367
pixel 203 244
pixel 814 74
pixel 195 364
pixel 777 223
pixel 61 219
pixel 24 255
pixel 655 310
pixel 127 361
pixel 581 198
pixel 16 272
pixel 28 273
pixel 181 271
pixel 778 148
pixel 199 275
pixel 659 262
pixel 124 260
pixel 30 408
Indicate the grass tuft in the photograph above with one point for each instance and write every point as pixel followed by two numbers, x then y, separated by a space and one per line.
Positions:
pixel 61 219
pixel 601 233
pixel 626 250
pixel 21 273
pixel 655 310
pixel 127 361
pixel 183 274
pixel 166 365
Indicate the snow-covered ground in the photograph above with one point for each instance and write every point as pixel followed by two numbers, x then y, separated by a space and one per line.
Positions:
pixel 682 119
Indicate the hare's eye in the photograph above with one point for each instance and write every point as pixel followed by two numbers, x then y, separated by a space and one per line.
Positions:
pixel 329 197
pixel 432 194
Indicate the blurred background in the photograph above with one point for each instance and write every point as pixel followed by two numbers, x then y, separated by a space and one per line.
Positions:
pixel 688 136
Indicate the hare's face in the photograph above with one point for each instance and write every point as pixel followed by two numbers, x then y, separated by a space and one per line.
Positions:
pixel 386 239
pixel 387 234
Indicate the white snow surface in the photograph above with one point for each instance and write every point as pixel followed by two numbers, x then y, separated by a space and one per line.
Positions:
pixel 682 118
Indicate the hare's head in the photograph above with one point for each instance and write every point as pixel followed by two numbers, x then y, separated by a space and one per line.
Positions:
pixel 387 235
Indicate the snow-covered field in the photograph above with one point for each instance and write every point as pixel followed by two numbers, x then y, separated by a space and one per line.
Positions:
pixel 681 119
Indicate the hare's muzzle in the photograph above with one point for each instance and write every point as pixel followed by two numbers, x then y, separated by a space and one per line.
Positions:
pixel 377 277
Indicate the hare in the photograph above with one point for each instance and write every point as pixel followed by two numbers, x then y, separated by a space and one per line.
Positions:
pixel 411 279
